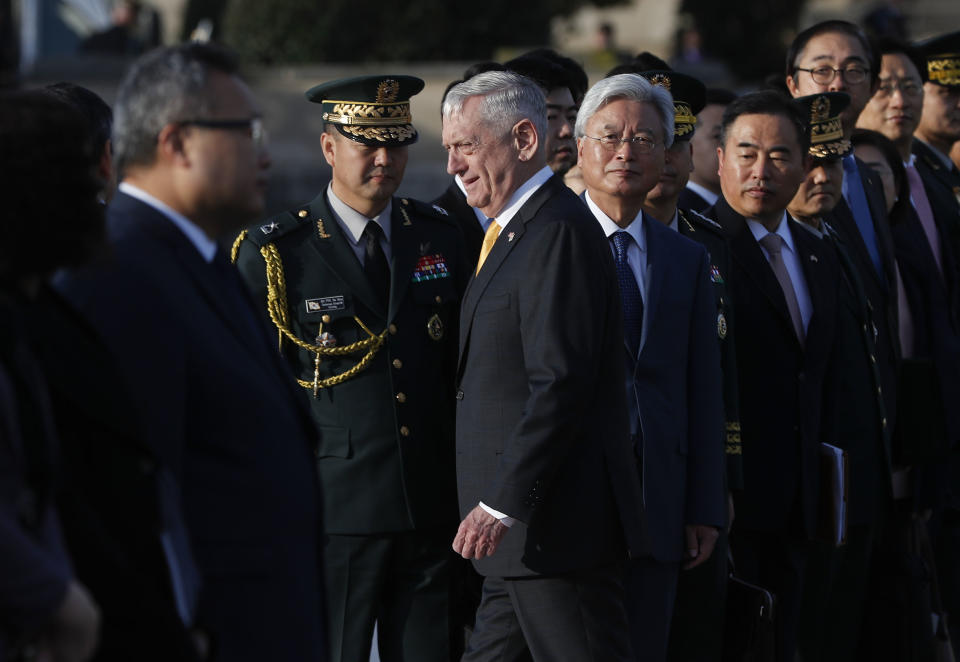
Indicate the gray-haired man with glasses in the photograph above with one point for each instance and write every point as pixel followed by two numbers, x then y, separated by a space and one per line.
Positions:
pixel 669 348
pixel 237 484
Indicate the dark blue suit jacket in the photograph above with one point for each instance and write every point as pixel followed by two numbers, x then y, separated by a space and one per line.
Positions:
pixel 674 390
pixel 222 412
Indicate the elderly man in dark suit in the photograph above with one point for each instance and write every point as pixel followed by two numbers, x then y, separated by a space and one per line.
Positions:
pixel 218 405
pixel 784 298
pixel 547 479
pixel 669 346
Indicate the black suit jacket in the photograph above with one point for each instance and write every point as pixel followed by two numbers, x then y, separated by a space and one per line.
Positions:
pixel 386 434
pixel 541 418
pixel 219 409
pixel 454 202
pixel 689 199
pixel 781 381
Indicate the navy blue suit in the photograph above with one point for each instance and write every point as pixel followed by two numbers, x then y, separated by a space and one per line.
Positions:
pixel 222 412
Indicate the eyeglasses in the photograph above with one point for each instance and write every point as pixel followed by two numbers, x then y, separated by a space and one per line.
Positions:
pixel 908 87
pixel 253 126
pixel 853 75
pixel 612 143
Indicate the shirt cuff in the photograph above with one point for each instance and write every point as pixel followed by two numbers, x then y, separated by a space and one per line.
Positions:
pixel 506 520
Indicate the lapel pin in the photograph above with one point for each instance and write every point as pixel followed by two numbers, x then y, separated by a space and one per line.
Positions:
pixel 509 237
pixel 813 258
pixel 406 217
pixel 268 228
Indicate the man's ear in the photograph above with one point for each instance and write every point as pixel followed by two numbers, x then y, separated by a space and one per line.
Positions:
pixel 719 159
pixel 171 145
pixel 328 148
pixel 525 138
pixel 792 86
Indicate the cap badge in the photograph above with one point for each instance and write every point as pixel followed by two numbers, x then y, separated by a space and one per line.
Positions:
pixel 387 91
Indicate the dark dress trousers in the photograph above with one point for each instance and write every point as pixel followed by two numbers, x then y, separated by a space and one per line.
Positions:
pixel 386 452
pixel 542 435
pixel 219 410
pixel 782 390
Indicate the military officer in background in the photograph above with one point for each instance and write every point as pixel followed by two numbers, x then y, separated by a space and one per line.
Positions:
pixel 697 628
pixel 364 289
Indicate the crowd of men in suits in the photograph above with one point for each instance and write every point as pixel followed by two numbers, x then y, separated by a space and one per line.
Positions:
pixel 604 366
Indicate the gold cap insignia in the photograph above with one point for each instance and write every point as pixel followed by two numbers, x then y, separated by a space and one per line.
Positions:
pixel 387 91
pixel 662 80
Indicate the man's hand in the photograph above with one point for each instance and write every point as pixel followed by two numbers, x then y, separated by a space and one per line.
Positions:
pixel 479 534
pixel 700 542
pixel 72 637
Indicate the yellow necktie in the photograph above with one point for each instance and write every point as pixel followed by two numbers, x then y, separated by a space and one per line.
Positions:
pixel 489 239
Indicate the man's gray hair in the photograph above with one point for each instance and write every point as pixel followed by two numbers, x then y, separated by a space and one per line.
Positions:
pixel 633 88
pixel 506 98
pixel 164 86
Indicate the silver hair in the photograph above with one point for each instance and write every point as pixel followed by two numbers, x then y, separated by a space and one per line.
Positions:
pixel 506 98
pixel 164 86
pixel 633 88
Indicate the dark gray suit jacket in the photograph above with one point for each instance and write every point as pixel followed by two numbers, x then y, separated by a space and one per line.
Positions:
pixel 541 418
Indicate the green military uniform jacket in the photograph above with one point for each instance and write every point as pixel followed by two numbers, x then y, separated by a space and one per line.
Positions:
pixel 709 233
pixel 385 406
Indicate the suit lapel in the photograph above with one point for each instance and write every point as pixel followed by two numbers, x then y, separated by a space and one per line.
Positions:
pixel 407 247
pixel 509 237
pixel 811 257
pixel 654 276
pixel 333 248
pixel 746 251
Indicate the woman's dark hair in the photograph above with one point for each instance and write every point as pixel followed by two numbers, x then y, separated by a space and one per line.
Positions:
pixel 51 216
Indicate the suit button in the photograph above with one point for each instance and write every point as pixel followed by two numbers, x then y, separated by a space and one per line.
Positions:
pixel 397 363
pixel 883 422
pixel 404 431
pixel 873 359
pixel 401 397
pixel 392 329
pixel 325 319
pixel 438 299
pixel 459 395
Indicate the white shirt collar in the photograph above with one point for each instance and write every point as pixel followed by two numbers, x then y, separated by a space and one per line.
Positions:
pixel 674 223
pixel 760 231
pixel 355 222
pixel 521 195
pixel 703 192
pixel 635 229
pixel 206 246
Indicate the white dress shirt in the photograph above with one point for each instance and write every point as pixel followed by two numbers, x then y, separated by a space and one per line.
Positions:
pixel 791 261
pixel 636 250
pixel 206 246
pixel 353 223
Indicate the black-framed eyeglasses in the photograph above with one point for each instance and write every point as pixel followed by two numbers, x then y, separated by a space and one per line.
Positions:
pixel 611 143
pixel 852 75
pixel 253 125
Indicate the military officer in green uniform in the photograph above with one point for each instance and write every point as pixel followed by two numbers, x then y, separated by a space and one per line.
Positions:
pixel 697 627
pixel 363 289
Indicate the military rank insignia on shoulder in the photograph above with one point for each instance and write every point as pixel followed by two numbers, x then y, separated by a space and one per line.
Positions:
pixel 273 228
pixel 425 209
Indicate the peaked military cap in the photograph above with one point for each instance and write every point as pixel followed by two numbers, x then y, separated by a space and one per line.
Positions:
pixel 823 118
pixel 689 98
pixel 372 110
pixel 942 55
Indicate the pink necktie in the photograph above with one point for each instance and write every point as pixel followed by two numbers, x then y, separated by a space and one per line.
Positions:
pixel 774 244
pixel 918 195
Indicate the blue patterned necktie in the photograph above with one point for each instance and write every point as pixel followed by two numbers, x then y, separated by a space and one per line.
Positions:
pixel 629 293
